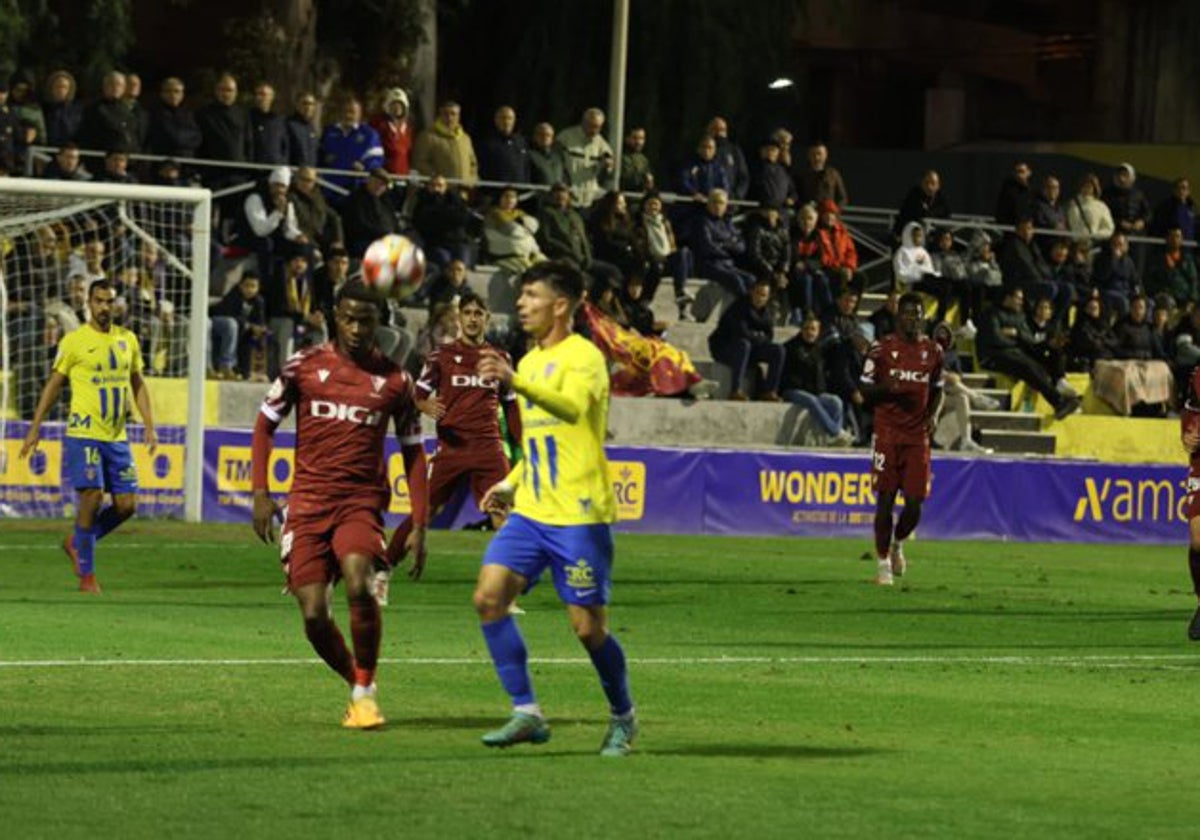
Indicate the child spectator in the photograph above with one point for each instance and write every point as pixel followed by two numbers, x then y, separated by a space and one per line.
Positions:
pixel 238 324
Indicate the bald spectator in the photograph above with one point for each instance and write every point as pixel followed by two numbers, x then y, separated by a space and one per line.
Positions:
pixel 590 158
pixel 503 153
pixel 108 123
pixel 304 137
pixel 924 201
pixel 718 245
pixel 817 181
pixel 731 157
pixel 269 128
pixel 1050 214
pixel 173 130
pixel 225 131
pixel 547 158
pixel 318 222
pixel 132 99
pixel 1016 197
pixel 350 145
pixel 445 148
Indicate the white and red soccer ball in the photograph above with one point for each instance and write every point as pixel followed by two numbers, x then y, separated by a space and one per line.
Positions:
pixel 394 266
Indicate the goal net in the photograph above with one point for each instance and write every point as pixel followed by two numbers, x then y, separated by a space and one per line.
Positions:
pixel 152 244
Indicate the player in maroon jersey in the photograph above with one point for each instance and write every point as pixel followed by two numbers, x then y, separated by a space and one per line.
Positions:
pixel 468 423
pixel 1189 421
pixel 345 394
pixel 902 378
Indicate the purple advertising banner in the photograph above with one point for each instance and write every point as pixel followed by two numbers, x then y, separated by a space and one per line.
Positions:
pixel 816 494
pixel 39 486
pixel 682 491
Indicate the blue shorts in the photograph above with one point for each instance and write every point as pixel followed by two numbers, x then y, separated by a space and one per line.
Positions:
pixel 104 464
pixel 580 557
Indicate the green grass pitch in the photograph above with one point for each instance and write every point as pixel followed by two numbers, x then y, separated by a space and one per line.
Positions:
pixel 1000 690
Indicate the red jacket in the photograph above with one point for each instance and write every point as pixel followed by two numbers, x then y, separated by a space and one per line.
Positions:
pixel 397 139
pixel 837 248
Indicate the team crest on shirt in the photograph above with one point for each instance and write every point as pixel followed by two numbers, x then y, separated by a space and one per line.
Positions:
pixel 895 353
pixel 122 346
pixel 924 355
pixel 322 374
pixel 377 382
pixel 458 360
pixel 550 366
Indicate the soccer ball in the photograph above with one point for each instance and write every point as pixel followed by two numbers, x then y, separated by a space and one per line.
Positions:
pixel 394 266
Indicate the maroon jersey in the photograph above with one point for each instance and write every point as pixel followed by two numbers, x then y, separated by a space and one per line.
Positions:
pixel 471 403
pixel 342 413
pixel 913 370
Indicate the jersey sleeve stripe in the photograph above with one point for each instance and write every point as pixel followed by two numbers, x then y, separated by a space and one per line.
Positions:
pixel 271 414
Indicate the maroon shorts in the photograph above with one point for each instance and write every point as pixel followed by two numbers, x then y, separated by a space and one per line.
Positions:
pixel 313 541
pixel 901 466
pixel 484 465
pixel 1192 502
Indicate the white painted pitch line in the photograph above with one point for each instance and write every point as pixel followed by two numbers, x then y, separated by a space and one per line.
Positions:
pixel 251 540
pixel 1099 661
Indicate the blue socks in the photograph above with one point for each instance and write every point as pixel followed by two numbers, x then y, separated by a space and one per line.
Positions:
pixel 609 660
pixel 106 521
pixel 85 547
pixel 511 659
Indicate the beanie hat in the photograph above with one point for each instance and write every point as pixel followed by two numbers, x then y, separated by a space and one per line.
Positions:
pixel 280 175
pixel 396 95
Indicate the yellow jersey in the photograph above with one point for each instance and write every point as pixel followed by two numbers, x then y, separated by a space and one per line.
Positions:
pixel 98 366
pixel 563 395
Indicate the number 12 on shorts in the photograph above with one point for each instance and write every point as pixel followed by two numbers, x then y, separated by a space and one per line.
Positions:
pixel 544 447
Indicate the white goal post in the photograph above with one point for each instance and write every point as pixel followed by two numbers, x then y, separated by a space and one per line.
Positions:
pixel 154 243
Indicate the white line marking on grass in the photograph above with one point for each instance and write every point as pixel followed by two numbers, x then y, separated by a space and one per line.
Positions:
pixel 1098 661
pixel 109 546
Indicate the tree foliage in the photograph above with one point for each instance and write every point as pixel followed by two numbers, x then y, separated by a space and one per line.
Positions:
pixel 688 60
pixel 89 38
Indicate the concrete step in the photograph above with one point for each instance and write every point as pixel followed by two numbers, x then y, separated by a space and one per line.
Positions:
pixel 979 380
pixel 1000 395
pixel 1017 442
pixel 692 338
pixel 710 300
pixel 1006 421
pixel 707 423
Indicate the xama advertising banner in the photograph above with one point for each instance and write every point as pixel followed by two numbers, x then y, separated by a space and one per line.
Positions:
pixel 683 491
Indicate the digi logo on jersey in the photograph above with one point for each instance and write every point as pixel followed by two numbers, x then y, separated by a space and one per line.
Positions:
pixel 460 380
pixel 910 375
pixel 341 411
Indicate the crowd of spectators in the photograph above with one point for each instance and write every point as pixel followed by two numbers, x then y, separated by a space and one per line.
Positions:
pixel 1054 290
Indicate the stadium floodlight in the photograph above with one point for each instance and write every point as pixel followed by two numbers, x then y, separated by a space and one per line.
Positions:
pixel 153 244
pixel 782 83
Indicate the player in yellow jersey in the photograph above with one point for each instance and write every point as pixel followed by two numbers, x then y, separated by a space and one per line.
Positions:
pixel 562 507
pixel 102 362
